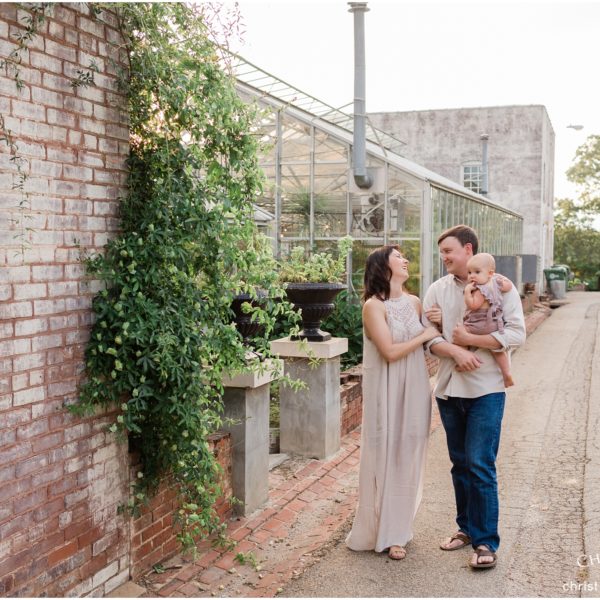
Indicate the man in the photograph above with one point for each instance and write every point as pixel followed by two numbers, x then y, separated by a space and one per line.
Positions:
pixel 470 395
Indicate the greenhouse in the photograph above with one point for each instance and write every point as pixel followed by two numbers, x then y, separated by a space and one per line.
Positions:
pixel 310 196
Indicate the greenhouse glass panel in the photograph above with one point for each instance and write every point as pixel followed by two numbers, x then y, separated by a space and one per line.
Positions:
pixel 266 131
pixel 295 200
pixel 404 207
pixel 329 150
pixel 499 232
pixel 368 210
pixel 330 199
pixel 297 141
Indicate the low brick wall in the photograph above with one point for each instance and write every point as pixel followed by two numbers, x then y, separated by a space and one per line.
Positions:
pixel 154 533
pixel 351 400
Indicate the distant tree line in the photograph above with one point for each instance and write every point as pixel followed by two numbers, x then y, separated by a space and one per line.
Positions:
pixel 576 222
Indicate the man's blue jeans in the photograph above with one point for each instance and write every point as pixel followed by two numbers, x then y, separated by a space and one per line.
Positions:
pixel 473 434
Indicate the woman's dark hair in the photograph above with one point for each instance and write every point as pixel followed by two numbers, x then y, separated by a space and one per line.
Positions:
pixel 378 273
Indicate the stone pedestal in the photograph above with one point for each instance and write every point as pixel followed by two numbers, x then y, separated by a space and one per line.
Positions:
pixel 246 417
pixel 309 419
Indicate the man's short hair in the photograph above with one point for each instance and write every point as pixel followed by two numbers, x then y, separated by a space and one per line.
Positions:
pixel 464 234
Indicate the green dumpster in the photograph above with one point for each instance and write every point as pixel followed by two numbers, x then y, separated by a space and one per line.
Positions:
pixel 557 276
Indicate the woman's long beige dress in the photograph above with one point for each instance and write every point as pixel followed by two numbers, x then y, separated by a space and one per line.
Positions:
pixel 395 431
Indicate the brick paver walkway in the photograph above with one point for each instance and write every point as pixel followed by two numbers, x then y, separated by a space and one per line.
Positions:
pixel 305 510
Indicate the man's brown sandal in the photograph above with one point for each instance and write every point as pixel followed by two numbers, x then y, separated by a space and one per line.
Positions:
pixel 459 535
pixel 484 565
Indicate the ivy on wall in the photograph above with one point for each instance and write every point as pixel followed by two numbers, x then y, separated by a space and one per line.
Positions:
pixel 163 337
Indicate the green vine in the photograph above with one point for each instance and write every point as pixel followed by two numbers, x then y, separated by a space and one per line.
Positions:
pixel 32 20
pixel 163 337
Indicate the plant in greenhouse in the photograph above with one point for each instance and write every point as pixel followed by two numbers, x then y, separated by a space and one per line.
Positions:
pixel 311 283
pixel 316 267
pixel 163 337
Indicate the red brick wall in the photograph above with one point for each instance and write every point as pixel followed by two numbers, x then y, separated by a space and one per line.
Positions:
pixel 154 537
pixel 351 399
pixel 61 478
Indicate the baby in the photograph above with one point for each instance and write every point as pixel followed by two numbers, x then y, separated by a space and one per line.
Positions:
pixel 483 297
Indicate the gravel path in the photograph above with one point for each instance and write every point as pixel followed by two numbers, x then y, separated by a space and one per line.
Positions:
pixel 549 474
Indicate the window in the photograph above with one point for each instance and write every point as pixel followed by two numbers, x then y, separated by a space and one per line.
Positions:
pixel 473 177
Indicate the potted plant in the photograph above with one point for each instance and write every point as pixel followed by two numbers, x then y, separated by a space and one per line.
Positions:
pixel 311 283
pixel 258 275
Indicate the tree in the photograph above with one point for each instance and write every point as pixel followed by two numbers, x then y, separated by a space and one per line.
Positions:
pixel 576 235
pixel 586 172
pixel 576 241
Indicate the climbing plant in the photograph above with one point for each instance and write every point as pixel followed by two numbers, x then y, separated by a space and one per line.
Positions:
pixel 31 21
pixel 163 337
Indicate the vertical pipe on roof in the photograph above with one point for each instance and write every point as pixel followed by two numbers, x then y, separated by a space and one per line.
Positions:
pixel 359 146
pixel 484 163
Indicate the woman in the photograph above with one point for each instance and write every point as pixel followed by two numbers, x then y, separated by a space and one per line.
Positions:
pixel 396 408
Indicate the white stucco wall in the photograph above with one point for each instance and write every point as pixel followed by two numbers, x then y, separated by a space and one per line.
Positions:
pixel 520 158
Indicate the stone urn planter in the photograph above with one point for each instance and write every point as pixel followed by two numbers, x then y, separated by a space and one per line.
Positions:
pixel 315 301
pixel 243 321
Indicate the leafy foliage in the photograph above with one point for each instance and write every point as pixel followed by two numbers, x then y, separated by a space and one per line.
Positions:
pixel 346 321
pixel 317 267
pixel 576 235
pixel 585 171
pixel 577 241
pixel 163 338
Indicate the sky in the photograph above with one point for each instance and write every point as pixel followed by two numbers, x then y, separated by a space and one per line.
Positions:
pixel 440 54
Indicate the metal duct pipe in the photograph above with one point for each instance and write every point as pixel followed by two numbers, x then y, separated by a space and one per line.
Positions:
pixel 359 146
pixel 484 163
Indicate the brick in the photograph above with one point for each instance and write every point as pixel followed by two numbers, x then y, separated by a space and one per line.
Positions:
pixel 46 204
pixel 29 111
pixel 65 188
pixel 78 206
pixel 60 51
pixel 52 440
pixel 62 553
pixel 15 274
pixel 29 291
pixel 64 14
pixel 90 142
pixel 93 125
pixel 78 173
pixel 63 388
pixel 79 106
pixel 12 347
pixel 33 429
pixel 31 465
pixel 66 288
pixel 46 97
pixel 105 574
pixel 60 117
pixel 48 307
pixel 47 272
pixel 30 361
pixel 43 342
pixel 48 475
pixel 92 159
pixel 31 149
pixel 28 396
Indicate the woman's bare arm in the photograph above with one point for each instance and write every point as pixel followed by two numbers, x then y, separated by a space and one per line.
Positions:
pixel 379 333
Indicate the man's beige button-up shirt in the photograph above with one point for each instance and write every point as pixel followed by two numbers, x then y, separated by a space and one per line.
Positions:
pixel 448 293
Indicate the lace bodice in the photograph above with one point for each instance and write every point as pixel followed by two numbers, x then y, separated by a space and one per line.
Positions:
pixel 402 318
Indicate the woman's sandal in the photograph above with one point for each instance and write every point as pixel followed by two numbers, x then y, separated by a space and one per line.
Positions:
pixel 484 565
pixel 459 535
pixel 397 552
